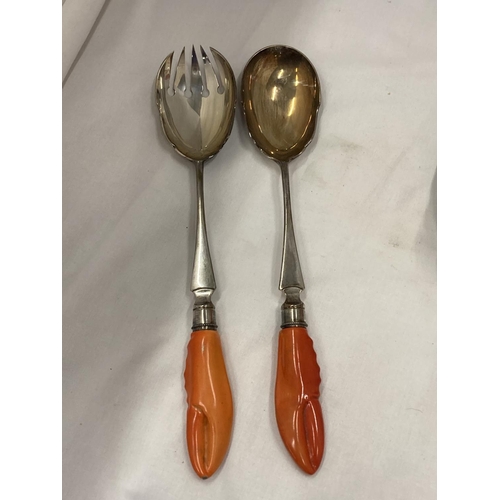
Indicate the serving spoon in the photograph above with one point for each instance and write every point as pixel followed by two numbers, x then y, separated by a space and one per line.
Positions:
pixel 197 103
pixel 281 99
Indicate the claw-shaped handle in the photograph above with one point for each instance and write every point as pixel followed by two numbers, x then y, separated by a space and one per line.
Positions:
pixel 210 404
pixel 298 410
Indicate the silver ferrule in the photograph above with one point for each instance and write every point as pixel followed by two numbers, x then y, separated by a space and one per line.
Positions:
pixel 203 282
pixel 204 311
pixel 292 310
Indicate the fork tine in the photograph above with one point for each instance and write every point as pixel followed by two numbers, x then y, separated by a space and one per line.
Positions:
pixel 212 75
pixel 163 79
pixel 219 69
pixel 180 72
pixel 204 55
pixel 194 60
pixel 207 73
pixel 167 68
pixel 167 73
pixel 196 80
pixel 205 92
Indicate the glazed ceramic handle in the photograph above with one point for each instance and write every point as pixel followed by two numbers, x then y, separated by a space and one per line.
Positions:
pixel 210 404
pixel 298 410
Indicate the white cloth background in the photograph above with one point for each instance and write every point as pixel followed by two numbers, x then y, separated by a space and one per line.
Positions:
pixel 365 214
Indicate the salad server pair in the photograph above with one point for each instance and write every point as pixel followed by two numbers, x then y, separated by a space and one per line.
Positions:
pixel 196 100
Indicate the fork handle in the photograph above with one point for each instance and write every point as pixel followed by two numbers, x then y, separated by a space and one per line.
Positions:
pixel 298 410
pixel 210 403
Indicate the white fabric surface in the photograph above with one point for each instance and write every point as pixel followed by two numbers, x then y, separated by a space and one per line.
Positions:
pixel 365 213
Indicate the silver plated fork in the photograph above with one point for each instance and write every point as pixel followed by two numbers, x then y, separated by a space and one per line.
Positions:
pixel 196 102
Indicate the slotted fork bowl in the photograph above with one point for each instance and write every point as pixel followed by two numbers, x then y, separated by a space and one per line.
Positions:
pixel 196 102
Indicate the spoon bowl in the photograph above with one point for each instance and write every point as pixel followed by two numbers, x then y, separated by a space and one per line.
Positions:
pixel 281 99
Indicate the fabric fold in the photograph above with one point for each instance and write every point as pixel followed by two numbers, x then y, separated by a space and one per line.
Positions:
pixel 78 18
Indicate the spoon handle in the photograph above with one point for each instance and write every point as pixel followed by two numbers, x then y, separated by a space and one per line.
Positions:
pixel 298 410
pixel 210 403
pixel 291 273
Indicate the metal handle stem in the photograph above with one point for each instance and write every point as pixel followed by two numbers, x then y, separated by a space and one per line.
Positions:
pixel 291 280
pixel 203 281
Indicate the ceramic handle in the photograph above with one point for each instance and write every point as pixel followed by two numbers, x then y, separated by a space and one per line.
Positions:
pixel 210 404
pixel 298 410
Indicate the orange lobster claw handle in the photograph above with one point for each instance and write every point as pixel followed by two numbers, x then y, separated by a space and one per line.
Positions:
pixel 298 410
pixel 210 403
